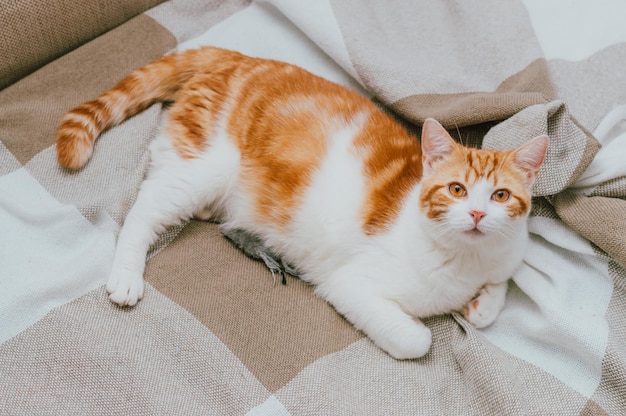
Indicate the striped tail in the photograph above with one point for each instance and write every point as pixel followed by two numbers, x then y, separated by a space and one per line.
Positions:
pixel 158 81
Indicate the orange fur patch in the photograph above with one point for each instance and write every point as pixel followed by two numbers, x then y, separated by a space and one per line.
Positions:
pixel 283 118
pixel 158 81
pixel 392 166
pixel 280 116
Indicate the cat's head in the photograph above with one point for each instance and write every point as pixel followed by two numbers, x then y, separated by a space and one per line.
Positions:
pixel 473 195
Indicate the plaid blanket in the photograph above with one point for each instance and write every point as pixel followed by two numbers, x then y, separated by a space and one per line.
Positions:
pixel 214 334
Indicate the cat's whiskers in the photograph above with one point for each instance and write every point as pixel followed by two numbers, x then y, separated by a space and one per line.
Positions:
pixel 443 232
pixel 459 133
pixel 504 230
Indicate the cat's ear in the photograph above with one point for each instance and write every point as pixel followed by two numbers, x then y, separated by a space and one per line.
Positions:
pixel 436 144
pixel 530 156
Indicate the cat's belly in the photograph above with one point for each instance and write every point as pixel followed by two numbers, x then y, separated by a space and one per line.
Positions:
pixel 313 243
pixel 324 226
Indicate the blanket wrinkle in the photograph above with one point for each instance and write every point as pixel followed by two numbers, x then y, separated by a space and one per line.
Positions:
pixel 600 219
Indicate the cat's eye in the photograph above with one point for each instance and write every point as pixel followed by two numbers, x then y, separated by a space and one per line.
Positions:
pixel 501 195
pixel 457 190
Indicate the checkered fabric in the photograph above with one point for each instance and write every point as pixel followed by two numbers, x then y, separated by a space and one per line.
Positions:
pixel 214 334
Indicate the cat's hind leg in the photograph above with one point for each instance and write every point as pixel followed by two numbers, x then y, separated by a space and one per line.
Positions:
pixel 380 318
pixel 160 203
pixel 174 191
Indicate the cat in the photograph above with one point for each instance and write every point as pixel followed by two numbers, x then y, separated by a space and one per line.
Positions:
pixel 388 230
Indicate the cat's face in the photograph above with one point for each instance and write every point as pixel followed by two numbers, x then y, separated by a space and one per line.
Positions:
pixel 476 195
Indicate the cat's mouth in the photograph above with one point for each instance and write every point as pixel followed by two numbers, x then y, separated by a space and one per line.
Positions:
pixel 474 232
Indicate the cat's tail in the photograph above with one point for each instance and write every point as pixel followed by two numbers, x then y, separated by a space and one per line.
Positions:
pixel 158 81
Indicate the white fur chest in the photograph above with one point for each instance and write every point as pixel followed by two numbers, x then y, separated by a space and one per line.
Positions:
pixel 439 284
pixel 430 280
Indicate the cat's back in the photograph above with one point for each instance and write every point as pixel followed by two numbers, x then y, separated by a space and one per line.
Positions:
pixel 311 148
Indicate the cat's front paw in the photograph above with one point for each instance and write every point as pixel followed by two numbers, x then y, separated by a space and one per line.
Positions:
pixel 125 287
pixel 483 310
pixel 407 342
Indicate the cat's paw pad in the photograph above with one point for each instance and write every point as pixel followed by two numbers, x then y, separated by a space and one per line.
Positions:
pixel 483 310
pixel 125 287
pixel 407 342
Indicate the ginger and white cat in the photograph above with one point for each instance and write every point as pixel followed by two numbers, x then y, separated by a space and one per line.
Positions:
pixel 386 230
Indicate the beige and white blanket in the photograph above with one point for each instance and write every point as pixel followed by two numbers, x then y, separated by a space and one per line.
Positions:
pixel 214 334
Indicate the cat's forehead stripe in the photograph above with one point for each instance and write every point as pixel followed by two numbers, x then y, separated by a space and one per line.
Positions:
pixel 482 164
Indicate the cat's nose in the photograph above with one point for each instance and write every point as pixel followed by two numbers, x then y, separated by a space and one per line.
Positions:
pixel 477 215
